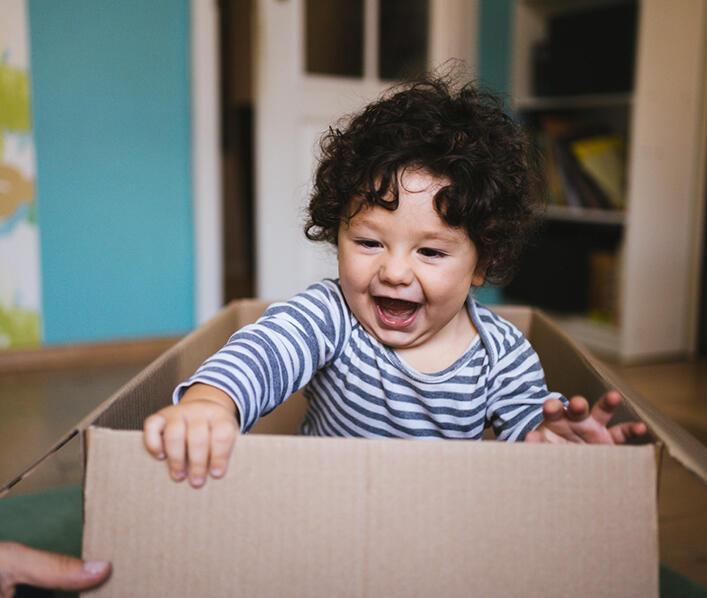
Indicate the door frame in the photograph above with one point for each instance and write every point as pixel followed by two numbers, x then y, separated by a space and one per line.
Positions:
pixel 206 126
pixel 206 159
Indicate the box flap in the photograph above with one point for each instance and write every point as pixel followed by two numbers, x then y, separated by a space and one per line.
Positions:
pixel 333 516
pixel 680 444
pixel 571 369
pixel 152 388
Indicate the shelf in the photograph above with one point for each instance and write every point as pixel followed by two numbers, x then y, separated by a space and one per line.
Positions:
pixel 661 129
pixel 611 100
pixel 548 7
pixel 585 215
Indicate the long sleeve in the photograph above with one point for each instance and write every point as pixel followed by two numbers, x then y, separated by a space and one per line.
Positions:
pixel 264 363
pixel 516 389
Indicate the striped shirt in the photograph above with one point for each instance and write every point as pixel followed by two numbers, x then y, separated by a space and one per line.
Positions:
pixel 357 386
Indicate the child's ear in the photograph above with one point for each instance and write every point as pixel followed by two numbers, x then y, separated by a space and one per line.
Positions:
pixel 479 277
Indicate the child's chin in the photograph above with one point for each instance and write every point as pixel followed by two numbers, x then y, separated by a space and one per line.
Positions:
pixel 396 339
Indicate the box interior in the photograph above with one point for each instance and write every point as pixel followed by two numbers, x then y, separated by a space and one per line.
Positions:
pixel 569 369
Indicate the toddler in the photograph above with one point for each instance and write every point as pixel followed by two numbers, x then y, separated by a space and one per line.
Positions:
pixel 425 194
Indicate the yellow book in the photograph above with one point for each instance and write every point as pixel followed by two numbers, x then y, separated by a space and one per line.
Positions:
pixel 603 158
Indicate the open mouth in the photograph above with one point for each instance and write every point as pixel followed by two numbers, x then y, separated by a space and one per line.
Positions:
pixel 395 313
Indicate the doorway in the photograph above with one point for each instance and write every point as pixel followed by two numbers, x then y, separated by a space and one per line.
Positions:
pixel 316 60
pixel 237 148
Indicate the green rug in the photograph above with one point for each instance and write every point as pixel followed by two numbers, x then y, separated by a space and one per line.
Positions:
pixel 52 520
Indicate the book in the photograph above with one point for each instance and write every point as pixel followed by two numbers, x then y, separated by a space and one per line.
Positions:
pixel 603 287
pixel 583 165
pixel 603 159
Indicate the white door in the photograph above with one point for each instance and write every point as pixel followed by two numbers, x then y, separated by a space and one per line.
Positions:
pixel 315 61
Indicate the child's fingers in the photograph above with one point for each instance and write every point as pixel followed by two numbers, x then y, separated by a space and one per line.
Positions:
pixel 553 410
pixel 555 420
pixel 584 423
pixel 544 436
pixel 152 435
pixel 174 436
pixel 605 407
pixel 223 436
pixel 534 436
pixel 622 433
pixel 577 409
pixel 198 451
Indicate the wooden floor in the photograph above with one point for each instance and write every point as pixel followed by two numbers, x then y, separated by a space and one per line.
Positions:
pixel 679 390
pixel 36 408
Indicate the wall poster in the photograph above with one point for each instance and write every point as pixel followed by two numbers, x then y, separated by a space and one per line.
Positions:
pixel 20 283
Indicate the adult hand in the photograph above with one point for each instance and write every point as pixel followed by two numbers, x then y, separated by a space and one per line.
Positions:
pixel 20 564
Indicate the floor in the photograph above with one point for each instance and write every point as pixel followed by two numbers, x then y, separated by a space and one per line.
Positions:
pixel 679 390
pixel 37 408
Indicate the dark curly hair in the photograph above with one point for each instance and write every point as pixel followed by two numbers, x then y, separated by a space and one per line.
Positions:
pixel 462 134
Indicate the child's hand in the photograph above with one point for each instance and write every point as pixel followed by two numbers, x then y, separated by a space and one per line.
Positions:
pixel 577 423
pixel 196 436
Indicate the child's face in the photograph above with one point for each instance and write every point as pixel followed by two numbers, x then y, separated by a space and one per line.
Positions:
pixel 406 273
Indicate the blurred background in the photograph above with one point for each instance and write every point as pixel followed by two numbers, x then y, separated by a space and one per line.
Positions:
pixel 155 159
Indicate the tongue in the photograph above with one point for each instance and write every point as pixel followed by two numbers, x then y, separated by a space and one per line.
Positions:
pixel 397 308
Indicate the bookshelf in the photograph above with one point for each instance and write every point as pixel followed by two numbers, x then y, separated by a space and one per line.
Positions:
pixel 574 102
pixel 622 269
pixel 585 215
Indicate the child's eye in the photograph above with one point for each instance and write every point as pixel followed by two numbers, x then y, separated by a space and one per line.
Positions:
pixel 368 243
pixel 429 252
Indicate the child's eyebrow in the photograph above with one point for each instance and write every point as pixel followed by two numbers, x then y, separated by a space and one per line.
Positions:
pixel 439 236
pixel 363 222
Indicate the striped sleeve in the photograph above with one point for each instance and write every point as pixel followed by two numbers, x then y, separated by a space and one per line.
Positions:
pixel 264 363
pixel 516 388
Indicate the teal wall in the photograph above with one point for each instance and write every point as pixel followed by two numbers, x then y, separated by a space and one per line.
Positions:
pixel 111 109
pixel 495 44
pixel 494 63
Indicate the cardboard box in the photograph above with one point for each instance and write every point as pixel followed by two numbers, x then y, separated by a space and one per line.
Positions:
pixel 301 516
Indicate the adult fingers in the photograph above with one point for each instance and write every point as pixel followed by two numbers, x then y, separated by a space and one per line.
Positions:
pixel 622 433
pixel 223 436
pixel 198 451
pixel 50 570
pixel 152 435
pixel 603 410
pixel 174 436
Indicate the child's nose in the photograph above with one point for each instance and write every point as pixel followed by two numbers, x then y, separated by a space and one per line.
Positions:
pixel 395 270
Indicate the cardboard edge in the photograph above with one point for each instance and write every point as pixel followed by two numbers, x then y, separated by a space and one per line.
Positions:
pixel 227 313
pixel 679 443
pixel 88 437
pixel 28 471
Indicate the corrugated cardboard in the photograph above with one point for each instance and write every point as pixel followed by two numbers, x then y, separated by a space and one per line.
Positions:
pixel 347 517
